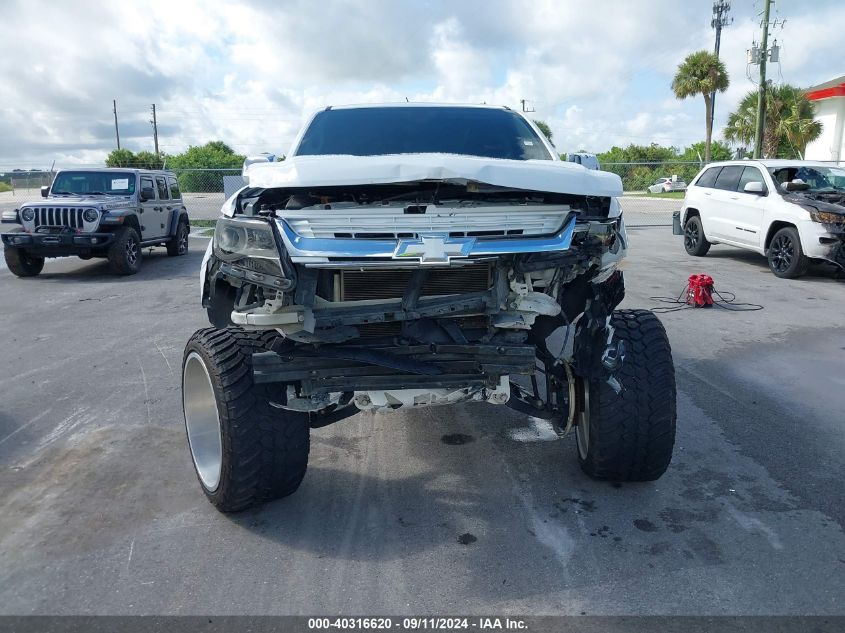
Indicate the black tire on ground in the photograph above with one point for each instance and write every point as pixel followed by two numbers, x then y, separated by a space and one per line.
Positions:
pixel 695 242
pixel 785 255
pixel 125 252
pixel 263 450
pixel 629 436
pixel 22 263
pixel 179 244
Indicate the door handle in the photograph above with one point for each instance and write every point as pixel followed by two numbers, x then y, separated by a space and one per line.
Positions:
pixel 707 193
pixel 169 208
pixel 734 197
pixel 156 208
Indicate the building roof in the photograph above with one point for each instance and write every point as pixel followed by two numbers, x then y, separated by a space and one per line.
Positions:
pixel 833 88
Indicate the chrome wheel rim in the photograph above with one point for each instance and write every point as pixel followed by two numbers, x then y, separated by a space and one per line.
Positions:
pixel 202 421
pixel 783 252
pixel 582 431
pixel 131 252
pixel 183 240
pixel 691 236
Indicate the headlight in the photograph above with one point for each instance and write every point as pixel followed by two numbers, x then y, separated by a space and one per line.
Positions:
pixel 27 215
pixel 826 217
pixel 90 215
pixel 244 238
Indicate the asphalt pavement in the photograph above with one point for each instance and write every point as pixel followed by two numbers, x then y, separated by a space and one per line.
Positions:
pixel 101 513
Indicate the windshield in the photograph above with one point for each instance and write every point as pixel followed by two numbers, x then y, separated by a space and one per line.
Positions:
pixel 94 183
pixel 487 132
pixel 816 177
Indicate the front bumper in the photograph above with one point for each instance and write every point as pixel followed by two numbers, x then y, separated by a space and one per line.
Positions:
pixel 58 243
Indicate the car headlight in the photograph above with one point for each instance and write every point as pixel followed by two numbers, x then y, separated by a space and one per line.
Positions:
pixel 90 215
pixel 244 238
pixel 827 217
pixel 27 215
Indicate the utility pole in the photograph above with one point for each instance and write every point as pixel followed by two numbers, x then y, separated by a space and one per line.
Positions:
pixel 761 89
pixel 116 130
pixel 720 19
pixel 155 128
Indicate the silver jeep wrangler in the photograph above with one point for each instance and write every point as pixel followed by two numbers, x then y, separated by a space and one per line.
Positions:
pixel 110 212
pixel 415 255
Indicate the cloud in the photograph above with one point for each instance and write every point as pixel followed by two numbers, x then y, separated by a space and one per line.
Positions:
pixel 250 73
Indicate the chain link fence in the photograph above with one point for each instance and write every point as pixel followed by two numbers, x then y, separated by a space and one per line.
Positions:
pixel 205 189
pixel 653 191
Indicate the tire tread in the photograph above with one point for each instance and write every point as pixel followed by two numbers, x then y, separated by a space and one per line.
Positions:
pixel 632 434
pixel 265 448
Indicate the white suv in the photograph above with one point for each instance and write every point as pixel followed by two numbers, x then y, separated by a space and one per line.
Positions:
pixel 788 210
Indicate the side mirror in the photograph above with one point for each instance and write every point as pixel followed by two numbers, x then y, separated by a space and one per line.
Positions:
pixel 147 193
pixel 755 186
pixel 45 190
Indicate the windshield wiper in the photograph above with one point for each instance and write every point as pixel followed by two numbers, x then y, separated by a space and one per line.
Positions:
pixel 65 193
pixel 96 193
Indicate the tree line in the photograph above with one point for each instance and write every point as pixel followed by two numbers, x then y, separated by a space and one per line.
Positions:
pixel 215 158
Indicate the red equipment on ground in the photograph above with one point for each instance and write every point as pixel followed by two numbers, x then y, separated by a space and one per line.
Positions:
pixel 700 291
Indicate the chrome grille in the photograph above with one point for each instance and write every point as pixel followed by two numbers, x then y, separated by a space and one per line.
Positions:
pixel 358 285
pixel 59 216
pixel 396 223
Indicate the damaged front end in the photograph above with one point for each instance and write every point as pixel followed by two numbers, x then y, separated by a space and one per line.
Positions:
pixel 423 293
pixel 827 213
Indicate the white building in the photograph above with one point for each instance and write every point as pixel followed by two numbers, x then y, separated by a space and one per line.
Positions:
pixel 829 99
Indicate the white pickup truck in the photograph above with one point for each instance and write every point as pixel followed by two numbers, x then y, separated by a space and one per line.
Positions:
pixel 415 255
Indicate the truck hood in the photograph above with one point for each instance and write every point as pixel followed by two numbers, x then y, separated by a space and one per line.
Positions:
pixel 532 175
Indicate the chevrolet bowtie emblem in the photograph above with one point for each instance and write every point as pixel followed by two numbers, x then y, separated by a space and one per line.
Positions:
pixel 437 248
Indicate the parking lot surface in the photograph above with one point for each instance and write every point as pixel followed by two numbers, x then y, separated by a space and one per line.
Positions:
pixel 100 511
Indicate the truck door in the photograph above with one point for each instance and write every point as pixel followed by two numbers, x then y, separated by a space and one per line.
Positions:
pixel 164 206
pixel 748 209
pixel 722 207
pixel 149 211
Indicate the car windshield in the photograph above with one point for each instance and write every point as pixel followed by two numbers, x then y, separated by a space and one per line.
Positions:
pixel 815 177
pixel 487 132
pixel 94 183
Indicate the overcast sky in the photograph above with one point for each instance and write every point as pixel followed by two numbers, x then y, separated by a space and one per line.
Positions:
pixel 249 73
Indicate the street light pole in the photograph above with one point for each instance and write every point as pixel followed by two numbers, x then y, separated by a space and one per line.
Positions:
pixel 720 19
pixel 116 130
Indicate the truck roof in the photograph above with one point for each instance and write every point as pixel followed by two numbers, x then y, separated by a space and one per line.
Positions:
pixel 133 170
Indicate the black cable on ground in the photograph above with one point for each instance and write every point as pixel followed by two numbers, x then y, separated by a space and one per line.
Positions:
pixel 680 303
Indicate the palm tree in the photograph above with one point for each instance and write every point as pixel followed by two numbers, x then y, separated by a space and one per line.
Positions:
pixel 789 125
pixel 701 73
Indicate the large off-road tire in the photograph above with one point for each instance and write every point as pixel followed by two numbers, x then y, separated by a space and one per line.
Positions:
pixel 22 263
pixel 785 255
pixel 179 244
pixel 629 436
pixel 695 242
pixel 244 450
pixel 125 252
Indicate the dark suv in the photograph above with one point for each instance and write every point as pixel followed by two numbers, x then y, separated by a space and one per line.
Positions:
pixel 111 212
